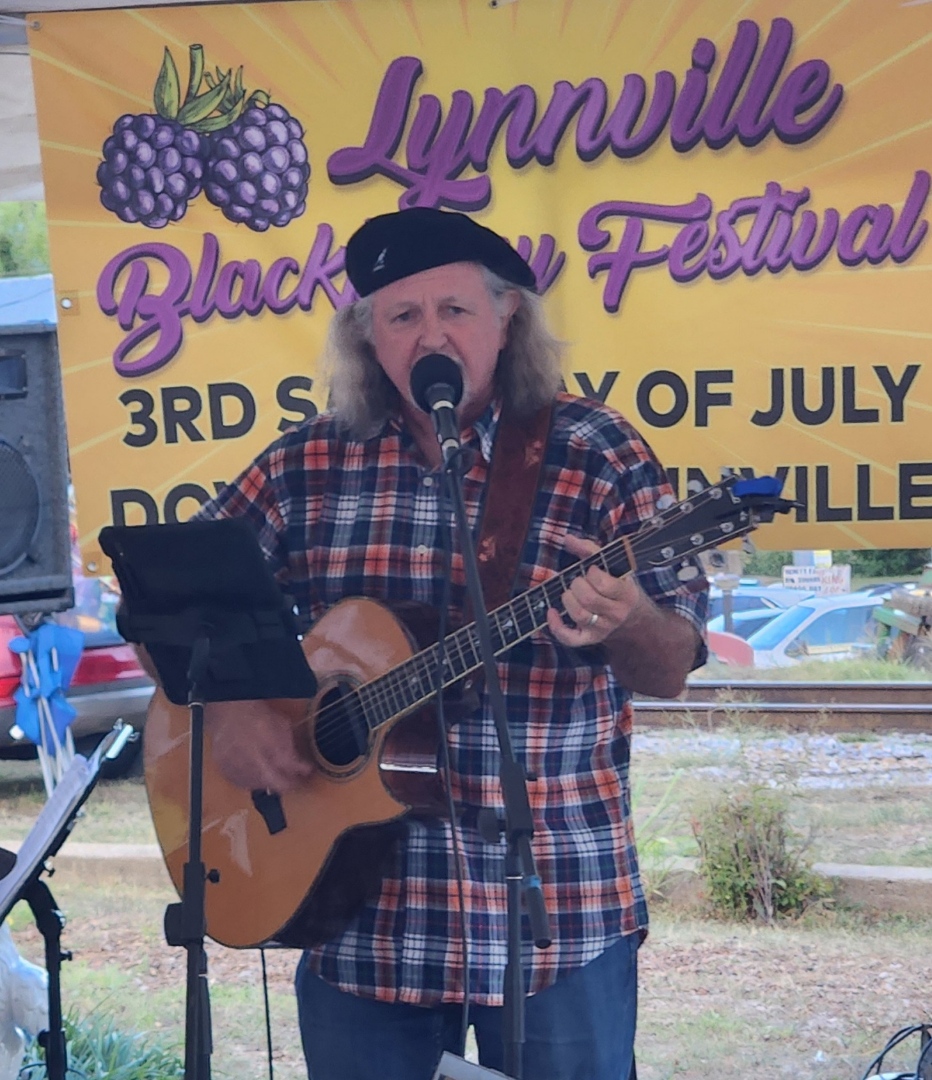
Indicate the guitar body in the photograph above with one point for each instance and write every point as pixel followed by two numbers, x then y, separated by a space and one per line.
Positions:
pixel 298 884
pixel 295 868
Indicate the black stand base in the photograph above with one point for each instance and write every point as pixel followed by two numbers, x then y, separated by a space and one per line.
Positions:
pixel 50 922
pixel 185 922
pixel 199 1042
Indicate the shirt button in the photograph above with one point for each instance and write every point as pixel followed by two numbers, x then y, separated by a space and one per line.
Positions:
pixel 422 549
pixel 428 481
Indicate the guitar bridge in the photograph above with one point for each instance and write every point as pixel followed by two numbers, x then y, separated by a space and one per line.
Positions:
pixel 269 805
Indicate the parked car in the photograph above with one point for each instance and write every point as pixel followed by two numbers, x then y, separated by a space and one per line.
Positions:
pixel 745 623
pixel 754 597
pixel 729 649
pixel 824 628
pixel 108 683
pixel 880 588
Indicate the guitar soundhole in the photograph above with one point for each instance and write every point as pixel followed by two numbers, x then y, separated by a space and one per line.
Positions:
pixel 341 733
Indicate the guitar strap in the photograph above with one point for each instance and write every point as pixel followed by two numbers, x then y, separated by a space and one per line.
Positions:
pixel 514 478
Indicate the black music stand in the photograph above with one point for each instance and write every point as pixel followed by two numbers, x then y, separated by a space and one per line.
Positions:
pixel 21 879
pixel 202 600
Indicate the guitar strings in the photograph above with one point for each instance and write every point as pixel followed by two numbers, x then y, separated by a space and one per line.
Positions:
pixel 388 691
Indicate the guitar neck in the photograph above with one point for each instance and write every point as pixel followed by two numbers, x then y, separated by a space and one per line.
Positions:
pixel 414 683
pixel 719 513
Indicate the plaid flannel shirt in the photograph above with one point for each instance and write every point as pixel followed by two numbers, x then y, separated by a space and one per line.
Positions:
pixel 338 517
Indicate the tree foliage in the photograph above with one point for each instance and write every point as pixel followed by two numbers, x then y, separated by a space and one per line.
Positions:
pixel 24 240
pixel 882 562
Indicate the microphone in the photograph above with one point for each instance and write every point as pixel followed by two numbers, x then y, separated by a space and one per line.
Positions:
pixel 437 386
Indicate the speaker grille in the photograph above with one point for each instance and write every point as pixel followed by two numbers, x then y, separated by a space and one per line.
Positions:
pixel 19 507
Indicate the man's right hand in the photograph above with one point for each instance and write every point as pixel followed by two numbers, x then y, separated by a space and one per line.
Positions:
pixel 254 744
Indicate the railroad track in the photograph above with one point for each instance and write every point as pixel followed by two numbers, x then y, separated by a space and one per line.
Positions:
pixel 806 706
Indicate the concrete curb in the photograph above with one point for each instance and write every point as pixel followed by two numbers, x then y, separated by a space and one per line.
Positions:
pixel 905 890
pixel 890 890
pixel 129 864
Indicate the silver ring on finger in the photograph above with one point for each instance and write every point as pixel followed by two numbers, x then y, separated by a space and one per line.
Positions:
pixel 593 619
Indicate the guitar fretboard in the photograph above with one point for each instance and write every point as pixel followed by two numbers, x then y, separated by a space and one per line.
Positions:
pixel 413 682
pixel 684 529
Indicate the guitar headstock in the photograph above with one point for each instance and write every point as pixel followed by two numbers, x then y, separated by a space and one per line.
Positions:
pixel 721 512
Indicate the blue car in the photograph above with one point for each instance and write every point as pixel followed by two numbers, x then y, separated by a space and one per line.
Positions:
pixel 753 598
pixel 745 623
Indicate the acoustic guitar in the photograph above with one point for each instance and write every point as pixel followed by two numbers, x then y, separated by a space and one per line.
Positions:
pixel 293 868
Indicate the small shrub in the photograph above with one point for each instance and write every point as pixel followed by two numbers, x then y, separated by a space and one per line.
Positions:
pixel 96 1050
pixel 750 860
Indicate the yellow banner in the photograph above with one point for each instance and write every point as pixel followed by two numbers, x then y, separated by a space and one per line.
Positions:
pixel 726 204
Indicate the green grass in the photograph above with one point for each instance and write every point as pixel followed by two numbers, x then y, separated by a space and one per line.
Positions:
pixel 890 809
pixel 866 669
pixel 124 973
pixel 873 826
pixel 124 1034
pixel 717 1000
pixel 116 811
pixel 866 825
pixel 814 999
pixel 236 1013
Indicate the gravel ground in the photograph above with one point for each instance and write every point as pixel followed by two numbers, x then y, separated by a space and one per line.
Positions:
pixel 815 761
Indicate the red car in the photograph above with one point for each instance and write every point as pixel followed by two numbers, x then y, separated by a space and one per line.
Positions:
pixel 108 684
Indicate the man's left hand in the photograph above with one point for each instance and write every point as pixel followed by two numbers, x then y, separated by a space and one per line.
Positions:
pixel 597 602
pixel 649 649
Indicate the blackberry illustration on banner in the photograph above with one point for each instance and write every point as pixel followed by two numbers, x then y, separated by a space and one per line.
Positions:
pixel 258 169
pixel 246 152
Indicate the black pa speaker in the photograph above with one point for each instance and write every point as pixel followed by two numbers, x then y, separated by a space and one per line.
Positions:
pixel 35 549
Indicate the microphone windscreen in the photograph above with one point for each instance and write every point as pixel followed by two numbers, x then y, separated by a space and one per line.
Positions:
pixel 434 370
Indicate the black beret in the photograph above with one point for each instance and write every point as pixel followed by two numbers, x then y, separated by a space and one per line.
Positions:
pixel 395 246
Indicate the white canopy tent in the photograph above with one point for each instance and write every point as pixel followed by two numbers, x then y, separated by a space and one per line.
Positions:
pixel 20 173
pixel 20 169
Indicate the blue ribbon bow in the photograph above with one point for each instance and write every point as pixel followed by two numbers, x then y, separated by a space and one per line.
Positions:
pixel 49 655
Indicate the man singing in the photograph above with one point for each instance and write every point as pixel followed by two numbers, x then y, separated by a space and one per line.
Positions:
pixel 347 504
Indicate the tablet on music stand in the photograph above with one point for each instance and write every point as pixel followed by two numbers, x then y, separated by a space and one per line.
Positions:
pixel 23 879
pixel 177 578
pixel 57 818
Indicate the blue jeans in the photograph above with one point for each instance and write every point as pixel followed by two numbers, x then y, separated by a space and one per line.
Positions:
pixel 581 1028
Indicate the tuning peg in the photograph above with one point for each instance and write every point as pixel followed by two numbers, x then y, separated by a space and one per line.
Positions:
pixel 747 545
pixel 694 487
pixel 665 501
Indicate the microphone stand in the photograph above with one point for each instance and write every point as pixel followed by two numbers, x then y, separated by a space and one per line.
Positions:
pixel 518 827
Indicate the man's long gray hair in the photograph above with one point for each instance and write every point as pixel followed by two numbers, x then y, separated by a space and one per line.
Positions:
pixel 362 396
